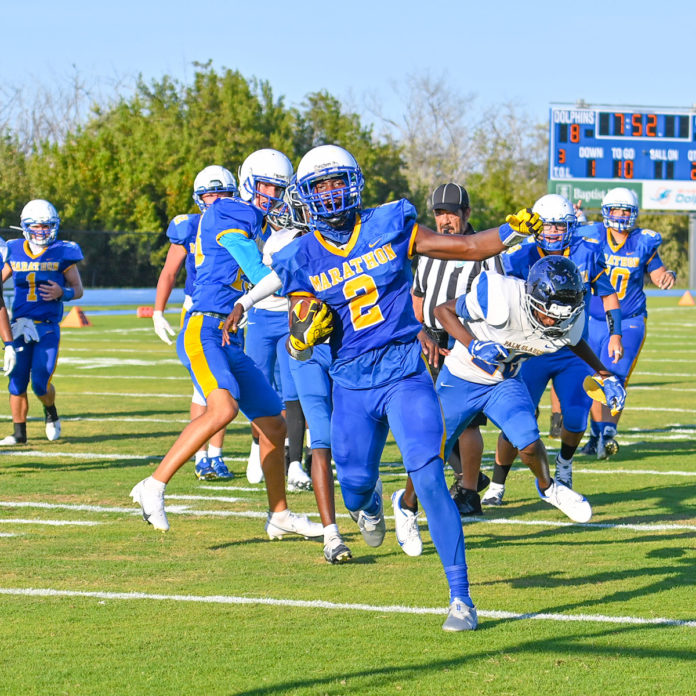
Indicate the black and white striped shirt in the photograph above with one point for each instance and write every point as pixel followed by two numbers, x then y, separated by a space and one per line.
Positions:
pixel 438 281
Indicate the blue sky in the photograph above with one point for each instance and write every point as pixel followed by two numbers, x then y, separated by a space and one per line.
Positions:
pixel 531 53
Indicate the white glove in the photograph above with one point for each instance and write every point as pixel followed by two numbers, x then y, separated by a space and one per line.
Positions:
pixel 25 328
pixel 162 327
pixel 10 360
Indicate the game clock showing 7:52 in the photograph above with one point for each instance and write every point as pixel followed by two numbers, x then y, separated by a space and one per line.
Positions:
pixel 621 143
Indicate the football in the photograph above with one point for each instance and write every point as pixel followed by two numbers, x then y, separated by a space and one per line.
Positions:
pixel 305 306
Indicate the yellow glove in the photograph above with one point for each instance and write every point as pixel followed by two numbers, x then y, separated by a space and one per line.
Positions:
pixel 310 322
pixel 607 390
pixel 520 226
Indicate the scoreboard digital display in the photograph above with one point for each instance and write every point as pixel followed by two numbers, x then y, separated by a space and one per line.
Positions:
pixel 617 146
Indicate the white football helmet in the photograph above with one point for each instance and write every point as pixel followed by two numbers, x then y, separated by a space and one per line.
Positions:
pixel 40 212
pixel 329 162
pixel 213 179
pixel 620 199
pixel 269 167
pixel 559 218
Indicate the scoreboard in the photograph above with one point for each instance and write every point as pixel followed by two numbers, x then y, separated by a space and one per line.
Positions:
pixel 652 151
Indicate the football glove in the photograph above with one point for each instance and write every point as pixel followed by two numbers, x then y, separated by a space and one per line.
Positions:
pixel 10 359
pixel 308 330
pixel 488 351
pixel 519 226
pixel 607 390
pixel 25 328
pixel 162 327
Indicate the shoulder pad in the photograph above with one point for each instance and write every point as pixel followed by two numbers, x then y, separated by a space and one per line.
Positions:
pixel 650 233
pixel 177 220
pixel 590 240
pixel 511 249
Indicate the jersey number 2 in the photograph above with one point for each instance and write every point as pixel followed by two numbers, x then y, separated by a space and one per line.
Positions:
pixel 361 293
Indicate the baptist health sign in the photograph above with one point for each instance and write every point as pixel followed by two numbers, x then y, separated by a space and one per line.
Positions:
pixel 652 195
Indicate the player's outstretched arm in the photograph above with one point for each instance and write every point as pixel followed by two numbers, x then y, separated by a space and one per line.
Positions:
pixel 582 350
pixel 446 314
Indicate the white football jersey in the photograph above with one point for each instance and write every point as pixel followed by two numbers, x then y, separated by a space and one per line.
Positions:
pixel 275 242
pixel 498 314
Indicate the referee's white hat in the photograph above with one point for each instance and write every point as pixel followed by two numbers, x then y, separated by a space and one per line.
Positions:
pixel 451 197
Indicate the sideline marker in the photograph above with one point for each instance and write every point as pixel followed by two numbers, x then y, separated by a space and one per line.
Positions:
pixel 75 319
pixel 687 300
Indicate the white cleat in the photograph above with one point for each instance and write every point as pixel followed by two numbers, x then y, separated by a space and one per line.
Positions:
pixel 406 523
pixel 254 472
pixel 151 500
pixel 494 494
pixel 461 617
pixel 298 479
pixel 564 471
pixel 278 525
pixel 53 430
pixel 11 440
pixel 372 527
pixel 336 551
pixel 567 501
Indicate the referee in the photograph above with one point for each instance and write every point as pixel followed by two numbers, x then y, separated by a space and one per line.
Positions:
pixel 437 281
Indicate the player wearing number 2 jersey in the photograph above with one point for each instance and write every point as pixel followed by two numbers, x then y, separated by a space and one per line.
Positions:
pixel 357 262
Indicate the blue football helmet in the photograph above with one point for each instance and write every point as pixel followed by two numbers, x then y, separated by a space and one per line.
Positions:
pixel 555 290
pixel 40 222
pixel 331 206
pixel 213 179
pixel 624 200
pixel 269 167
pixel 559 218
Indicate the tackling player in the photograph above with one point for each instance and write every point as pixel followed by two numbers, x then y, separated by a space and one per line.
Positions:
pixel 357 262
pixel 498 325
pixel 210 183
pixel 630 252
pixel 564 368
pixel 45 275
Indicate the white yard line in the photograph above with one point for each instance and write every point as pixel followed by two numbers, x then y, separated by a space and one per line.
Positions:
pixel 51 523
pixel 339 606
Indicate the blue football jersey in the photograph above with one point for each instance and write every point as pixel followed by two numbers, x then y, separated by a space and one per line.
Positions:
pixel 627 264
pixel 219 279
pixel 367 284
pixel 30 270
pixel 182 230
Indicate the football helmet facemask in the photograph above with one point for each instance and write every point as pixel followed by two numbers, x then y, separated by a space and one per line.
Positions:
pixel 332 205
pixel 560 220
pixel 266 167
pixel 40 222
pixel 554 290
pixel 626 201
pixel 213 179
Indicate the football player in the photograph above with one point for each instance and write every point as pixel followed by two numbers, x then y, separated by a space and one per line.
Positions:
pixel 357 262
pixel 45 275
pixel 564 368
pixel 501 323
pixel 226 254
pixel 630 252
pixel 9 353
pixel 210 183
pixel 263 178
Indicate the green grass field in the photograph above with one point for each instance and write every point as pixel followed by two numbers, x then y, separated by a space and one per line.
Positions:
pixel 94 601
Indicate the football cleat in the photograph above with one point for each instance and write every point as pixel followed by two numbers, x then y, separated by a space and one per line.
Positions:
pixel 11 440
pixel 298 479
pixel 572 504
pixel 151 500
pixel 220 468
pixel 204 471
pixel 372 527
pixel 461 617
pixel 254 472
pixel 406 523
pixel 277 526
pixel 53 429
pixel 335 550
pixel 494 495
pixel 606 447
pixel 590 446
pixel 468 502
pixel 564 471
